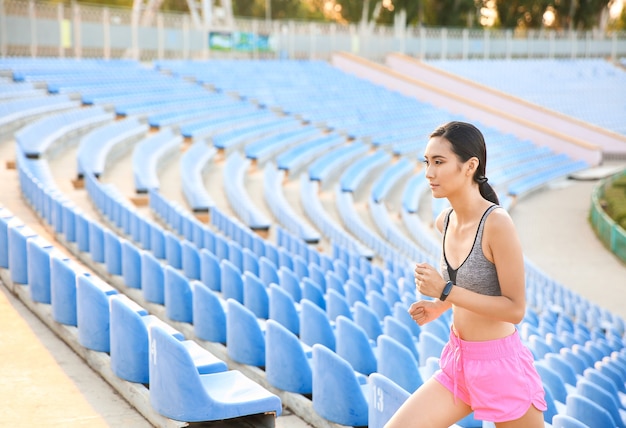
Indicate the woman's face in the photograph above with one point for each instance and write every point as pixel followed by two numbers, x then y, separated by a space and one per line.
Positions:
pixel 443 169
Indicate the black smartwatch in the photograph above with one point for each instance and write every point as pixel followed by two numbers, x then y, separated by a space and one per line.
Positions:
pixel 446 290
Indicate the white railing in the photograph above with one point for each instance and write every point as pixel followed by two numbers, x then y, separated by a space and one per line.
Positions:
pixel 41 29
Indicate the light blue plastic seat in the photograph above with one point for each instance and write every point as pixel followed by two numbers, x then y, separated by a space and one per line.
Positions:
pixel 379 304
pixel 210 270
pixel 39 252
pixel 586 411
pixel 283 310
pixel 397 363
pixel 92 312
pixel 190 260
pixel 354 292
pixel 178 296
pixel 385 399
pixel 112 253
pixel 63 273
pixel 245 339
pixel 255 295
pixel 552 380
pixel 429 345
pixel 231 281
pixel 152 279
pixel 18 236
pixel 290 283
pixel 180 391
pixel 250 261
pixel 129 324
pixel 400 313
pixel 131 265
pixel 313 292
pixel 565 421
pixel 287 361
pixel 368 320
pixel 575 361
pixel 268 271
pixel 315 327
pixel 209 314
pixel 339 394
pixel 562 367
pixel 354 346
pixel 394 328
pixel 337 304
pixel 604 399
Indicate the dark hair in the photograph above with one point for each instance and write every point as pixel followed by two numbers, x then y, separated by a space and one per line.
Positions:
pixel 467 141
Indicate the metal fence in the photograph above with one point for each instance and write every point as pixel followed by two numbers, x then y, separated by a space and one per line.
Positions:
pixel 609 232
pixel 39 29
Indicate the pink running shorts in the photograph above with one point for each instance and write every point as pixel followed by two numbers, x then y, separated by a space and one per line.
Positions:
pixel 496 378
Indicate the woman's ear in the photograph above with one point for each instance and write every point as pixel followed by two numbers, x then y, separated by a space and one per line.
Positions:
pixel 472 164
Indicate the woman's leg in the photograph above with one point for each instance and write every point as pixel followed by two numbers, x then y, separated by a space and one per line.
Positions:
pixel 432 405
pixel 533 418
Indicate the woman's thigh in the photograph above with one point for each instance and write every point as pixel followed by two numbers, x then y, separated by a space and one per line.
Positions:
pixel 432 405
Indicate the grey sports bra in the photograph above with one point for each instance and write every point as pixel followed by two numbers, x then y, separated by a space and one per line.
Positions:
pixel 476 273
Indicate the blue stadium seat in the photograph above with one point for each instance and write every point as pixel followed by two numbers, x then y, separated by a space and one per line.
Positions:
pixel 210 270
pixel 173 250
pixel 129 324
pixel 565 421
pixel 553 382
pixel 588 412
pixel 367 319
pixel 397 330
pixel 255 295
pixel 339 394
pixel 397 363
pixel 558 364
pixel 63 273
pixel 152 279
pixel 268 272
pixel 112 252
pixel 313 292
pixel 385 399
pixel 354 346
pixel 209 314
pixel 429 345
pixel 180 392
pixel 245 337
pixel 190 259
pixel 39 252
pixel 178 295
pixel 131 264
pixel 18 236
pixel 231 281
pixel 337 304
pixel 290 282
pixel 604 399
pixel 315 327
pixel 288 360
pixel 92 312
pixel 283 310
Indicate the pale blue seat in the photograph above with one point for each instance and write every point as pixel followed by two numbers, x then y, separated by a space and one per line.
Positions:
pixel 313 292
pixel 597 377
pixel 354 292
pixel 394 328
pixel 290 282
pixel 231 281
pixel 288 361
pixel 575 361
pixel 379 304
pixel 129 324
pixel 255 295
pixel 553 382
pixel 178 296
pixel 245 338
pixel 210 270
pixel 368 320
pixel 400 313
pixel 63 273
pixel 315 327
pixel 235 254
pixel 18 236
pixel 586 411
pixel 152 279
pixel 354 346
pixel 604 399
pixel 564 369
pixel 180 391
pixel 112 253
pixel 131 264
pixel 538 346
pixel 92 312
pixel 267 271
pixel 385 399
pixel 565 421
pixel 398 364
pixel 429 345
pixel 39 252
pixel 173 250
pixel 283 310
pixel 337 304
pixel 250 261
pixel 209 314
pixel 334 282
pixel 190 259
pixel 339 394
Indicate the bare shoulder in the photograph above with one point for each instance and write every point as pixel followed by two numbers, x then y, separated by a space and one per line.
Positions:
pixel 499 221
pixel 441 218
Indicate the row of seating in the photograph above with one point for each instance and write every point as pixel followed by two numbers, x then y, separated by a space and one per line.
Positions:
pixel 313 305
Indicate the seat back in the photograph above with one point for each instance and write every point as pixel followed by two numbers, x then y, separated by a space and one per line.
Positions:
pixel 386 397
pixel 231 281
pixel 315 327
pixel 282 309
pixel 429 345
pixel 152 279
pixel 287 366
pixel 92 312
pixel 244 338
pixel 354 346
pixel 552 381
pixel 394 328
pixel 337 304
pixel 565 421
pixel 313 292
pixel 397 363
pixel 209 315
pixel 368 320
pixel 586 411
pixel 255 296
pixel 337 393
pixel 178 295
pixel 601 397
